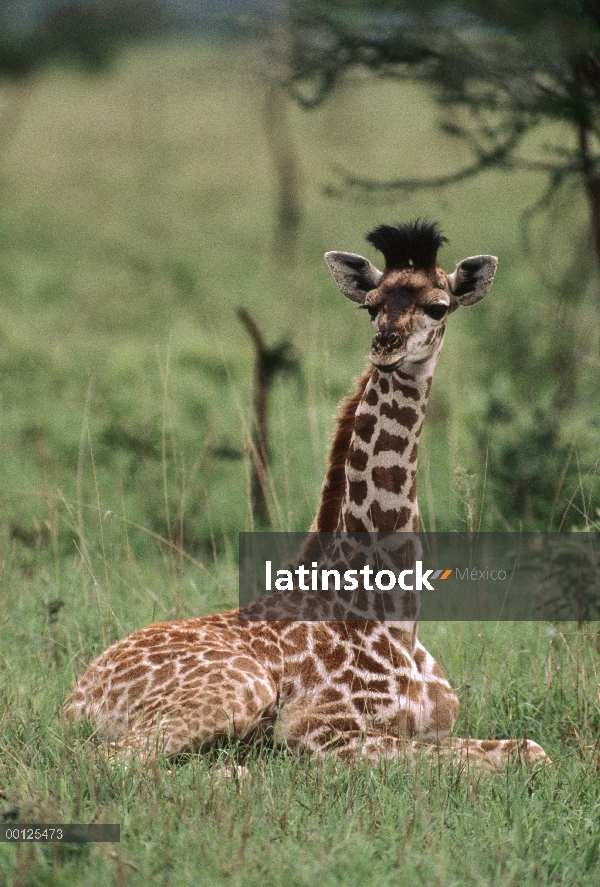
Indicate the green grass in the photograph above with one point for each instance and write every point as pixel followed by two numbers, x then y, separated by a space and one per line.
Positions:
pixel 294 820
pixel 136 216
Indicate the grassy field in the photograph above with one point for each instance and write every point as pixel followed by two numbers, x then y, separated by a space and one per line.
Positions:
pixel 137 215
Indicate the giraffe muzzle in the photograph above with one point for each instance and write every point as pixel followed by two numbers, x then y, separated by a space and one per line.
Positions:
pixel 384 350
pixel 387 342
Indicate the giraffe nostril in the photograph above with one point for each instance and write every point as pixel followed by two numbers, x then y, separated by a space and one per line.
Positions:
pixel 388 341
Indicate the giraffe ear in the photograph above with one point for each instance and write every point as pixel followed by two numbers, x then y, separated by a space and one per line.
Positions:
pixel 354 275
pixel 472 279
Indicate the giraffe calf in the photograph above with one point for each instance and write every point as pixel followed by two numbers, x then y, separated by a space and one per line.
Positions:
pixel 354 689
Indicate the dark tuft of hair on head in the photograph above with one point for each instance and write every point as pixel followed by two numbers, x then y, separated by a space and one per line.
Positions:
pixel 413 244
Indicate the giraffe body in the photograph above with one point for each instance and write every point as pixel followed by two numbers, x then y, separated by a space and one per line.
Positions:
pixel 351 688
pixel 179 686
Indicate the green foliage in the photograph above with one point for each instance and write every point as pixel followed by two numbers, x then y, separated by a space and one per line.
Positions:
pixel 527 466
pixel 535 476
pixel 497 72
pixel 85 34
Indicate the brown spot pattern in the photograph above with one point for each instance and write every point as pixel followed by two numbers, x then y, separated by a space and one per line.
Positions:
pixel 391 520
pixel 371 397
pixel 401 636
pixel 437 671
pixel 357 459
pixel 391 479
pixel 388 650
pixel 406 390
pixel 444 706
pixel 387 441
pixel 365 426
pixel 330 695
pixel 403 558
pixel 298 635
pixel 334 485
pixel 420 656
pixel 130 674
pixel 354 524
pixel 164 673
pixel 367 663
pixel 332 658
pixel 405 416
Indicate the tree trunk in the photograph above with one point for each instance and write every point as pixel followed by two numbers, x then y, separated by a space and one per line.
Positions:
pixel 267 362
pixel 593 191
pixel 591 180
pixel 287 173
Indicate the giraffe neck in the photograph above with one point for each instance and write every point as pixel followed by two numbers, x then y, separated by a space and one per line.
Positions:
pixel 381 466
pixel 370 487
pixel 334 484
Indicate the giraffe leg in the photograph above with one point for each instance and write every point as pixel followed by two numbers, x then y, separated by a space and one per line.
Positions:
pixel 193 721
pixel 474 754
pixel 215 691
pixel 483 754
pixel 189 731
pixel 441 705
pixel 356 746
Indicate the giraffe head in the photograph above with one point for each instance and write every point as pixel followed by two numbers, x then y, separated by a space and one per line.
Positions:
pixel 411 299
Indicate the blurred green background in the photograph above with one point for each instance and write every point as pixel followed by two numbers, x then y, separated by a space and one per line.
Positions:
pixel 138 213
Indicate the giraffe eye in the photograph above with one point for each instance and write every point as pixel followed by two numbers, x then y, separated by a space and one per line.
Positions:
pixel 372 311
pixel 436 311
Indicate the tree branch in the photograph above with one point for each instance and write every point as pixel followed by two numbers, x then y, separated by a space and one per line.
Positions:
pixel 500 155
pixel 407 185
pixel 267 362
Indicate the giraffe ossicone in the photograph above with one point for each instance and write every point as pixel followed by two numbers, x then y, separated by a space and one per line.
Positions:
pixel 354 689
